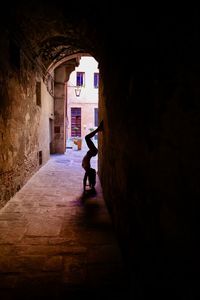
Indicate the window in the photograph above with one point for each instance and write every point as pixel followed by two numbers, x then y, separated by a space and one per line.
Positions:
pixel 96 80
pixel 57 129
pixel 80 78
pixel 40 157
pixel 38 93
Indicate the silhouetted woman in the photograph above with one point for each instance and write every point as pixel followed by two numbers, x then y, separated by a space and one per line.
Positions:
pixel 90 173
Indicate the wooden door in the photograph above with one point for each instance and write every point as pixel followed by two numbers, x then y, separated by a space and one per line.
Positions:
pixel 75 121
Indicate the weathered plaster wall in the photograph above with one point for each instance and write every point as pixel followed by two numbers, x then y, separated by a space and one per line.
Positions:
pixel 60 111
pixel 46 115
pixel 23 124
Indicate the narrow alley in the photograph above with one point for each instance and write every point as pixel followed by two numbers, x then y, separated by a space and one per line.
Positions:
pixel 64 68
pixel 56 243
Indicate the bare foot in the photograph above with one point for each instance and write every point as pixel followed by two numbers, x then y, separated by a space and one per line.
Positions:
pixel 100 127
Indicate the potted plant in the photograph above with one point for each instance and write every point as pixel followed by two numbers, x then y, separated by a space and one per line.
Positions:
pixel 77 139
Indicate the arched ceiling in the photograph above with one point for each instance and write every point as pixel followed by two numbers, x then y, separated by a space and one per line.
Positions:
pixel 55 49
pixel 50 32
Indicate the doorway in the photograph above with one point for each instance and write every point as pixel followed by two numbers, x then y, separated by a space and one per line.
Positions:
pixel 75 122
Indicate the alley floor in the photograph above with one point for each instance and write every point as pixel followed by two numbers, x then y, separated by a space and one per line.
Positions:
pixel 55 242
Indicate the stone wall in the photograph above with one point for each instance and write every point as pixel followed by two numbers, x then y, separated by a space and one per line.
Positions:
pixel 22 125
pixel 150 163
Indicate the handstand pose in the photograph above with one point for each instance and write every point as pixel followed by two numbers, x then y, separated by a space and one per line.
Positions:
pixel 90 173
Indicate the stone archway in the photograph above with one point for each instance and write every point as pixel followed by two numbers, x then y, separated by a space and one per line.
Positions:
pixel 61 70
pixel 61 75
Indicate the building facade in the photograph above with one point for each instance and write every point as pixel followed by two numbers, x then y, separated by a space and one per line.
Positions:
pixel 82 104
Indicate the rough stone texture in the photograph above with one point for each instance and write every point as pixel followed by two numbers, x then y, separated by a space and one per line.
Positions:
pixel 19 125
pixel 24 126
pixel 20 139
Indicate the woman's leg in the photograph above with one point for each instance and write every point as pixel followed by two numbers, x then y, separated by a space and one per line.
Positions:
pixel 90 144
pixel 90 135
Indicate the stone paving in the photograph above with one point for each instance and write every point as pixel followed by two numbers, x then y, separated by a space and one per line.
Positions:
pixel 55 242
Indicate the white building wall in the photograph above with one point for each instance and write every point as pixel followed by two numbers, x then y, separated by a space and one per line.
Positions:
pixel 88 99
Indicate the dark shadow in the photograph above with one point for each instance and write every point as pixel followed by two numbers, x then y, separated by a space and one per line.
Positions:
pixel 85 198
pixel 92 213
pixel 88 194
pixel 105 275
